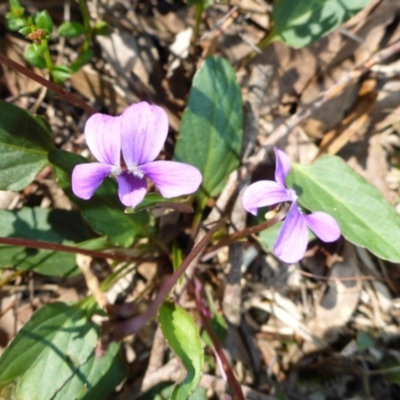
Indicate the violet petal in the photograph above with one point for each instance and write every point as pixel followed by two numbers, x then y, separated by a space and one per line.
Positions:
pixel 144 129
pixel 323 225
pixel 282 166
pixel 293 237
pixel 264 193
pixel 173 178
pixel 131 189
pixel 102 133
pixel 86 178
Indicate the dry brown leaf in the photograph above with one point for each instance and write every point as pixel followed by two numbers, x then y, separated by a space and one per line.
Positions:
pixel 352 124
pixel 17 84
pixel 341 297
pixel 97 87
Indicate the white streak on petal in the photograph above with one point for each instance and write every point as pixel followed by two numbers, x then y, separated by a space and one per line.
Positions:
pixel 131 189
pixel 293 237
pixel 262 194
pixel 323 225
pixel 173 178
pixel 86 178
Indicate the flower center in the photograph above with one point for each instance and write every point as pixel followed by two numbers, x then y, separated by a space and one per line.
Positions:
pixel 115 171
pixel 136 171
pixel 292 194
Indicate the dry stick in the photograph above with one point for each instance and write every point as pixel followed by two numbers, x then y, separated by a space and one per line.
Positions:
pixel 71 98
pixel 259 81
pixel 220 386
pixel 37 244
pixel 260 78
pixel 92 282
pixel 157 353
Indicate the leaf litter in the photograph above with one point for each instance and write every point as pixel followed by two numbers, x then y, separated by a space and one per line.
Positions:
pixel 326 328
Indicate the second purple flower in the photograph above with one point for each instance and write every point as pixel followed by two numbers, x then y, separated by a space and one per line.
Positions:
pixel 125 147
pixel 292 241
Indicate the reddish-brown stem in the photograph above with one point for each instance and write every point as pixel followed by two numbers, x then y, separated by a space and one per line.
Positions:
pixel 226 240
pixel 37 244
pixel 204 315
pixel 71 98
pixel 117 329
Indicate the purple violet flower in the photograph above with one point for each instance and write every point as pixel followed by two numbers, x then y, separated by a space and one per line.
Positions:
pixel 126 147
pixel 292 241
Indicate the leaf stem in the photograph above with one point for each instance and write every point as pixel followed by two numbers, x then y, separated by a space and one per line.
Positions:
pixel 86 23
pixel 197 218
pixel 38 244
pixel 199 12
pixel 47 56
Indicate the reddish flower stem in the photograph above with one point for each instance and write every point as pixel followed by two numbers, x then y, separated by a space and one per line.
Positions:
pixel 37 244
pixel 62 93
pixel 235 237
pixel 205 320
pixel 115 329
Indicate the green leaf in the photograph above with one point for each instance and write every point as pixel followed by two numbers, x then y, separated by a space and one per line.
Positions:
pixel 211 133
pixel 24 143
pixel 15 24
pixel 102 376
pixel 177 257
pixel 268 237
pixel 163 391
pixel 83 58
pixel 102 28
pixel 365 217
pixel 26 30
pixel 44 21
pixel 217 321
pixel 103 211
pixel 56 226
pixel 70 29
pixel 182 336
pixel 364 341
pixel 61 73
pixel 34 55
pixel 16 8
pixel 390 364
pixel 203 3
pixel 298 23
pixel 53 357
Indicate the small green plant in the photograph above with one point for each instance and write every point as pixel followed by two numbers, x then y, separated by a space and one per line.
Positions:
pixel 39 29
